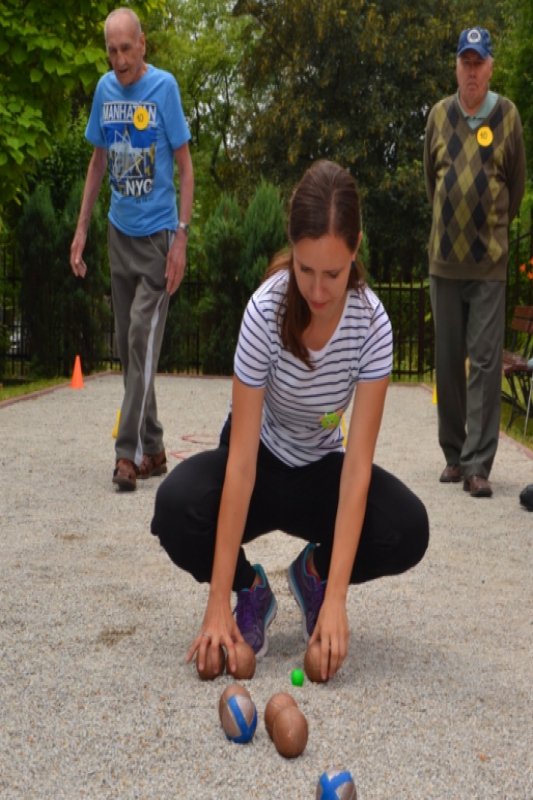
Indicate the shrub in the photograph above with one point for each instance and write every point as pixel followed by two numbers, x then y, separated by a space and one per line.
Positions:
pixel 237 250
pixel 264 235
pixel 221 307
pixel 63 316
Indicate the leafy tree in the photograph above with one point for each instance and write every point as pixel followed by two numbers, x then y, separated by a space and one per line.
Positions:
pixel 47 49
pixel 201 43
pixel 352 81
pixel 513 74
pixel 67 162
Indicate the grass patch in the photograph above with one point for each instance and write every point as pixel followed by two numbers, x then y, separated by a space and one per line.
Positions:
pixel 516 431
pixel 8 392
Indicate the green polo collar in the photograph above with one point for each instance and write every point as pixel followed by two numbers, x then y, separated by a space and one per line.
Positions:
pixel 491 98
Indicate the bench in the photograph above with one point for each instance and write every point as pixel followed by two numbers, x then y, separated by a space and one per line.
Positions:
pixel 514 362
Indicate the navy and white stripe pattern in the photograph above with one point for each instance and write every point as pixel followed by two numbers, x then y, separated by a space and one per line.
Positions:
pixel 296 397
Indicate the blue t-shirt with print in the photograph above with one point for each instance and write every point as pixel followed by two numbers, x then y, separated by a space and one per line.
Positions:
pixel 140 126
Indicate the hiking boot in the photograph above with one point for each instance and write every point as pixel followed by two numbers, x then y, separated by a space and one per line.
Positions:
pixel 125 475
pixel 307 590
pixel 255 611
pixel 151 466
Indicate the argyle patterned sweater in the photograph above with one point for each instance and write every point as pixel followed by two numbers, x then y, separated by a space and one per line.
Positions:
pixel 475 181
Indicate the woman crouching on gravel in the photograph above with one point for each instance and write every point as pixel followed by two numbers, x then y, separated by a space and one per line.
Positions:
pixel 311 333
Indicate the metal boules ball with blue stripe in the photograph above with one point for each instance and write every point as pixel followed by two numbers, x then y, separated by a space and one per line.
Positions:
pixel 239 718
pixel 336 784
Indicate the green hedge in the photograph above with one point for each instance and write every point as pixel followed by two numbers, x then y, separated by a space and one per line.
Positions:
pixel 237 249
pixel 63 316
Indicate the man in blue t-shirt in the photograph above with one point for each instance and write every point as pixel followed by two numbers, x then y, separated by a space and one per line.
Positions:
pixel 138 130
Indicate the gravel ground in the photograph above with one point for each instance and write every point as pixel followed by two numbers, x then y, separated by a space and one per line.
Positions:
pixel 434 699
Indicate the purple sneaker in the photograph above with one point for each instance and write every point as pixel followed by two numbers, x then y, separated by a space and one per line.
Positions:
pixel 307 590
pixel 255 610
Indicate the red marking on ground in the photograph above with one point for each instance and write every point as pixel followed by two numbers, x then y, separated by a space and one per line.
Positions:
pixel 200 439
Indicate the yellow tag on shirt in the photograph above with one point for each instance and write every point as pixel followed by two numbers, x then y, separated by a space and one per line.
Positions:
pixel 485 136
pixel 141 118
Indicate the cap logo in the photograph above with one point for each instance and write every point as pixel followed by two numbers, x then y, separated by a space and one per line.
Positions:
pixel 473 36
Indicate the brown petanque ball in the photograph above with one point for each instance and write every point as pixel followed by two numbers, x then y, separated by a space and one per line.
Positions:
pixel 290 732
pixel 312 663
pixel 274 705
pixel 212 658
pixel 245 662
pixel 230 691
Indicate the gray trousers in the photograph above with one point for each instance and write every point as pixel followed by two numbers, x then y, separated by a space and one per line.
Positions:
pixel 469 321
pixel 140 303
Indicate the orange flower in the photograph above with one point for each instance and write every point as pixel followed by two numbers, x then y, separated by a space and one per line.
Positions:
pixel 531 261
pixel 530 276
pixel 522 268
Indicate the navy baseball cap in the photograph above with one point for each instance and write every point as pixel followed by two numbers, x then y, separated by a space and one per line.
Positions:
pixel 477 39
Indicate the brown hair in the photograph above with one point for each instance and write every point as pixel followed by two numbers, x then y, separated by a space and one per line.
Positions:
pixel 325 202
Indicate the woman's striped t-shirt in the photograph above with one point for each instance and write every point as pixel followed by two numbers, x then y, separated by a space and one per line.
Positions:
pixel 297 398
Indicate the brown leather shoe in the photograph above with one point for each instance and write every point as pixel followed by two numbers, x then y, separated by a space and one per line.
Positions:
pixel 477 486
pixel 125 475
pixel 151 466
pixel 451 474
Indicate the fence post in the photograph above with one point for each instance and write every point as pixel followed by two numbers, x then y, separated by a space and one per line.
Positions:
pixel 421 328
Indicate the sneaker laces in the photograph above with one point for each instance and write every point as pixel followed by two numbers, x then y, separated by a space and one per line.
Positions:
pixel 317 597
pixel 245 612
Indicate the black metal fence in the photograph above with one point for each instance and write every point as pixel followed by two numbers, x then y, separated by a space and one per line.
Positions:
pixel 520 283
pixel 407 304
pixel 14 357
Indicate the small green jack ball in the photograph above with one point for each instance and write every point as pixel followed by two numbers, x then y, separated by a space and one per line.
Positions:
pixel 297 677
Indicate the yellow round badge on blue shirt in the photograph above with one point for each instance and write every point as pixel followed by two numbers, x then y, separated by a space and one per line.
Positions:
pixel 485 136
pixel 141 118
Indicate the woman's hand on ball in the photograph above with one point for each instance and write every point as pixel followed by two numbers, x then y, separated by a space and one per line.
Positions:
pixel 333 633
pixel 218 628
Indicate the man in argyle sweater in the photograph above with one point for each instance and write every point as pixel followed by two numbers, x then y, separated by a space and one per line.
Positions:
pixel 474 165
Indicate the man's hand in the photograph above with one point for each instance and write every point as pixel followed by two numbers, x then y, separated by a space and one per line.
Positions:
pixel 79 267
pixel 95 176
pixel 176 261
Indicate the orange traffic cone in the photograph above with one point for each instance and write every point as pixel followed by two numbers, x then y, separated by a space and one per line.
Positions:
pixel 77 377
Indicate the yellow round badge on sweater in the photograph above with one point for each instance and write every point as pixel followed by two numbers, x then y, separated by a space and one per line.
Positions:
pixel 485 136
pixel 141 118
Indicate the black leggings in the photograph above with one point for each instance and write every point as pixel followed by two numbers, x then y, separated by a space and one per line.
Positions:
pixel 301 501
